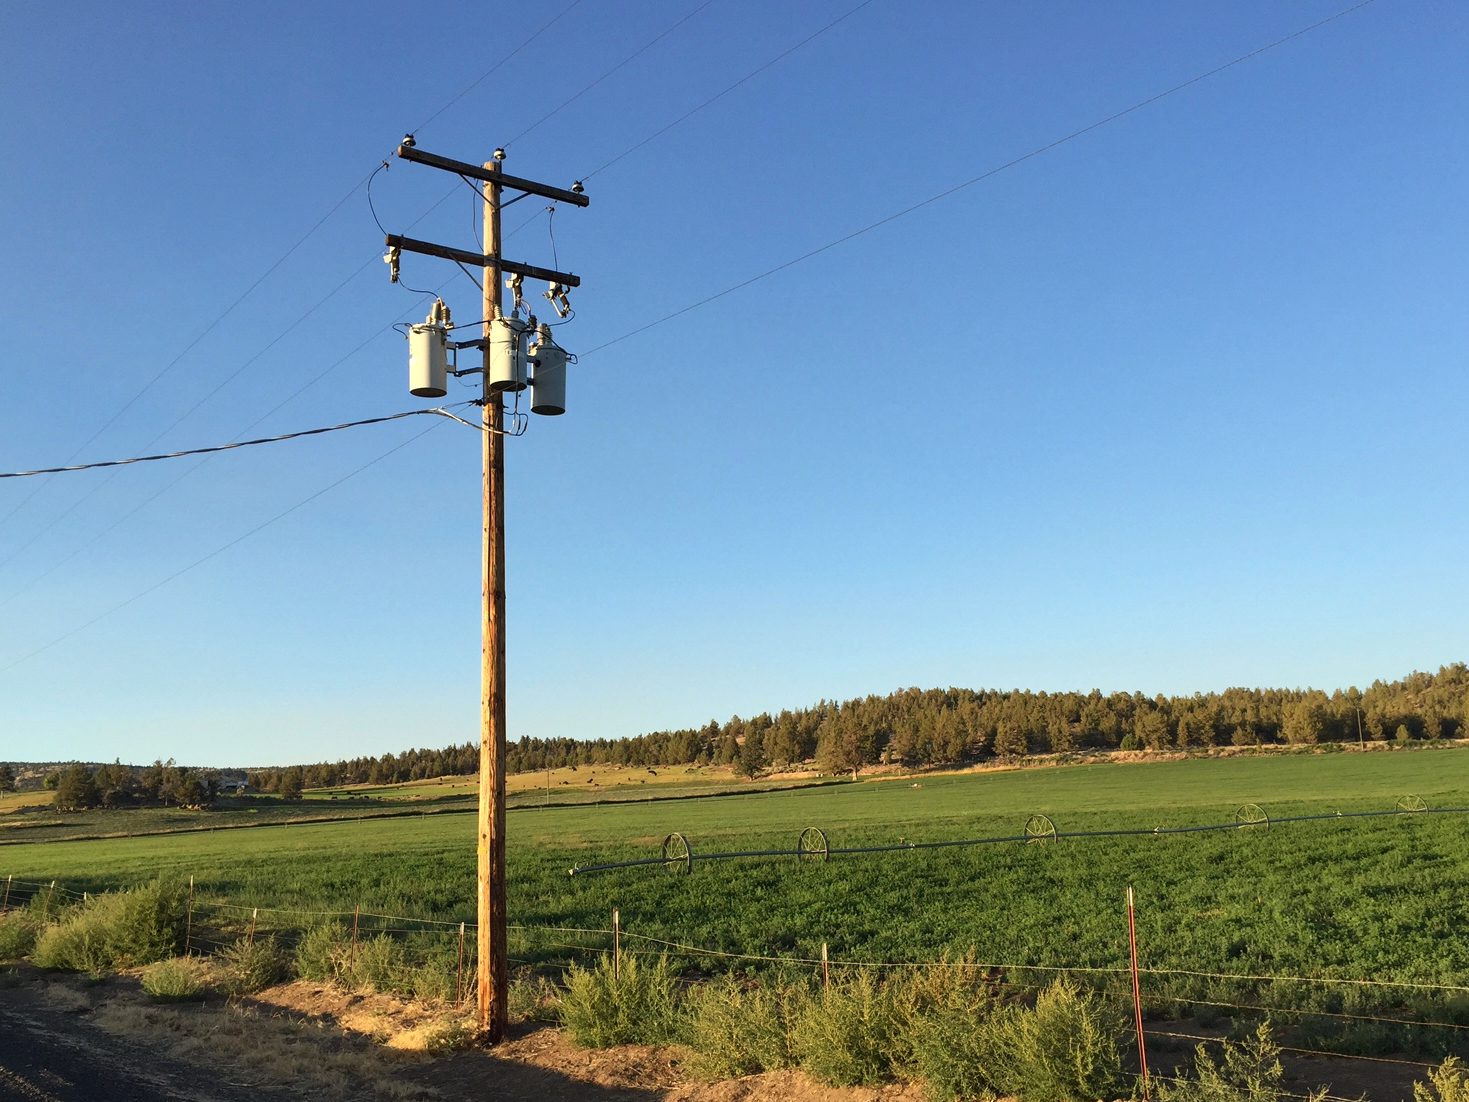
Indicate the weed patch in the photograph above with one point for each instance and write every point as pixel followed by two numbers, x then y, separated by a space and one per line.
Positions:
pixel 636 1004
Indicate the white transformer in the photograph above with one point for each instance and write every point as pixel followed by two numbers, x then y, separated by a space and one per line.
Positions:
pixel 428 360
pixel 548 385
pixel 508 337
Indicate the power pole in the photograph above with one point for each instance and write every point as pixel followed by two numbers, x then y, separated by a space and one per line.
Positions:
pixel 494 957
pixel 494 967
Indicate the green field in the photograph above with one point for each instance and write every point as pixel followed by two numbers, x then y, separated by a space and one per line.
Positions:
pixel 29 816
pixel 1376 898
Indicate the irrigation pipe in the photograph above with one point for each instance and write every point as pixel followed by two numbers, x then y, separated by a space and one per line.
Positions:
pixel 687 859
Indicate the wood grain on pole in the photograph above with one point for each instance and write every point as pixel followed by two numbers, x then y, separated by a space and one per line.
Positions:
pixel 494 965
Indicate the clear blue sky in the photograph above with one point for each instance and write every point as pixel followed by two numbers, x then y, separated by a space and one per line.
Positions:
pixel 1175 406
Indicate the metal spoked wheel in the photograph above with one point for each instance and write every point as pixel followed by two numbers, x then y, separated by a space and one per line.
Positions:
pixel 1412 803
pixel 812 845
pixel 1251 815
pixel 1039 828
pixel 678 857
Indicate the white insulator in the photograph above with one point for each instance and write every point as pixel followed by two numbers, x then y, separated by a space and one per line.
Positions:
pixel 507 354
pixel 548 384
pixel 428 360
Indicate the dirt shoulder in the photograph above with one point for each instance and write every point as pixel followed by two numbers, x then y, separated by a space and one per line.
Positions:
pixel 305 1040
pixel 66 1037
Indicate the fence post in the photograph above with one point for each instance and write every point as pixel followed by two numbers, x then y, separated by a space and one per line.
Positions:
pixel 356 913
pixel 6 905
pixel 825 970
pixel 49 892
pixel 189 918
pixel 459 983
pixel 1137 998
pixel 253 915
pixel 616 945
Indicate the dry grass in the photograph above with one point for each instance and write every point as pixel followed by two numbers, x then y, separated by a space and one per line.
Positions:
pixel 311 1057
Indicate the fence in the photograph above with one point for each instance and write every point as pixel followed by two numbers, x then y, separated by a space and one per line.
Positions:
pixel 1383 1019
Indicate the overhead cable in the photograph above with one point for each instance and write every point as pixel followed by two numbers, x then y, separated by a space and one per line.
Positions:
pixel 218 550
pixel 625 61
pixel 720 95
pixel 982 176
pixel 228 310
pixel 439 411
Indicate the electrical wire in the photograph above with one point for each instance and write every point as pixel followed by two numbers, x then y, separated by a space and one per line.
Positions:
pixel 216 552
pixel 947 192
pixel 551 229
pixel 228 310
pixel 492 70
pixel 720 95
pixel 230 447
pixel 15 552
pixel 625 61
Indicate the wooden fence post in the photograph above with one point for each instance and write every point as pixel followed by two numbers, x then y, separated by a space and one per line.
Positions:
pixel 1137 998
pixel 825 970
pixel 6 905
pixel 616 945
pixel 356 913
pixel 189 918
pixel 250 940
pixel 49 892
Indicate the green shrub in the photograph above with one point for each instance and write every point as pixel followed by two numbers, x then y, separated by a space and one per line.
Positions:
pixel 1251 1072
pixel 376 965
pixel 177 979
pixel 434 977
pixel 639 1005
pixel 17 934
pixel 847 1036
pixel 324 954
pixel 250 966
pixel 1449 1082
pixel 1063 1049
pixel 943 1012
pixel 735 1029
pixel 115 930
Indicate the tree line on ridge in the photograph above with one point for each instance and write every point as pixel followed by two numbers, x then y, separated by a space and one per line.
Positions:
pixel 929 727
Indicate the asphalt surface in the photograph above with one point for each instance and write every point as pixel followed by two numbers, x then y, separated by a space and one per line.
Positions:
pixel 51 1055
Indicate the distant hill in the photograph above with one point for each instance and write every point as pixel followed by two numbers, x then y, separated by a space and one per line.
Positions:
pixel 921 727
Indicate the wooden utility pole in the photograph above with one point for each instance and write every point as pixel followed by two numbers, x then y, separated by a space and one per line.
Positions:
pixel 494 951
pixel 494 965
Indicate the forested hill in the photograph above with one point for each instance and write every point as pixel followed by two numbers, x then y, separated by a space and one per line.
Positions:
pixel 951 726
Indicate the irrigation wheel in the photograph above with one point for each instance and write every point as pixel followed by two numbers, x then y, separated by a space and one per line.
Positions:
pixel 1039 828
pixel 812 845
pixel 678 856
pixel 1251 815
pixel 1412 803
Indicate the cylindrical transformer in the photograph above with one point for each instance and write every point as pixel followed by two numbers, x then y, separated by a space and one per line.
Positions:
pixel 507 354
pixel 428 360
pixel 548 384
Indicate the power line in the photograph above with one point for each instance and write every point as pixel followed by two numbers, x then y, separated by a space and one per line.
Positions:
pixel 230 447
pixel 625 61
pixel 1038 151
pixel 497 66
pixel 720 95
pixel 282 259
pixel 217 551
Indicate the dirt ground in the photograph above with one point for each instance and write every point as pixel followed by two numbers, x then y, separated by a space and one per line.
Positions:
pixel 312 1041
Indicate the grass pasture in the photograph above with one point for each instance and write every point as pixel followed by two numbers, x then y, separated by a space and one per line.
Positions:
pixel 30 815
pixel 1377 898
